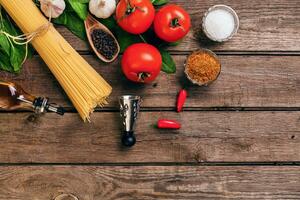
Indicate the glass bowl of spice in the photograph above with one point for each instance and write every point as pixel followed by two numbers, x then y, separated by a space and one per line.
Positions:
pixel 202 67
pixel 220 23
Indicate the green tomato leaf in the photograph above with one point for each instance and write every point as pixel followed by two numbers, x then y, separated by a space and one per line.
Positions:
pixel 174 43
pixel 81 9
pixel 159 2
pixel 169 65
pixel 124 38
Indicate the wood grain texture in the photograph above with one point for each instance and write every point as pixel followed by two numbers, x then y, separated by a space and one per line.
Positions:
pixel 204 137
pixel 264 26
pixel 251 136
pixel 245 81
pixel 165 183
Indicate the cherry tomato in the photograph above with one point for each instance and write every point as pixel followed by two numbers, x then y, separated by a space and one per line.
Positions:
pixel 141 62
pixel 172 23
pixel 135 16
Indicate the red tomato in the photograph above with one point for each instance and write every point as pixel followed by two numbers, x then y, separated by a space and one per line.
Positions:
pixel 172 23
pixel 141 62
pixel 135 16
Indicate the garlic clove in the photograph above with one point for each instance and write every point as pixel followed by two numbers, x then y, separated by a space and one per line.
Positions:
pixel 102 8
pixel 53 8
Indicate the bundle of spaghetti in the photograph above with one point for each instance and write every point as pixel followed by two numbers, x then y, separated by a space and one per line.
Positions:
pixel 83 85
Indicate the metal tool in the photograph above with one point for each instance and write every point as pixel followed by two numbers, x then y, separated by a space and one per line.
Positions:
pixel 129 109
pixel 41 105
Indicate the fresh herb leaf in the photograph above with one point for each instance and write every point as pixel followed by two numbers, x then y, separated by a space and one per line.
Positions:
pixel 76 25
pixel 169 65
pixel 82 1
pixel 159 2
pixel 174 43
pixel 5 62
pixel 62 19
pixel 110 22
pixel 72 20
pixel 81 9
pixel 124 38
pixel 73 23
pixel 17 57
pixel 17 52
pixel 12 55
pixel 4 44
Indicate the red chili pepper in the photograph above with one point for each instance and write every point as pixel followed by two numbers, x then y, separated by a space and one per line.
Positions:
pixel 181 99
pixel 168 124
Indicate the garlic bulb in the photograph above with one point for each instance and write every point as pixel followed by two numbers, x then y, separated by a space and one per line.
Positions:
pixel 53 8
pixel 102 8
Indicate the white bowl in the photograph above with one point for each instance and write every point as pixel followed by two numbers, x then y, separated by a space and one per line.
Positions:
pixel 230 10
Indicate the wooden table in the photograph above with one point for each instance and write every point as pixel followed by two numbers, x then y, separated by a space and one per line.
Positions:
pixel 240 137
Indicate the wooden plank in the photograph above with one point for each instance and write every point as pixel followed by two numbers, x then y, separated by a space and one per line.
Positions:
pixel 149 182
pixel 245 81
pixel 204 137
pixel 264 26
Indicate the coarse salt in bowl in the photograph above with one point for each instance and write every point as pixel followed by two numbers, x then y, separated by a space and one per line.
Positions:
pixel 220 23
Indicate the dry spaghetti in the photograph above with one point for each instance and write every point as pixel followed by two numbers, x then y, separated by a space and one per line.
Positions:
pixel 83 85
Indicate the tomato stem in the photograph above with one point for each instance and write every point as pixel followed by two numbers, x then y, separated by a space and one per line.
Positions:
pixel 142 38
pixel 143 75
pixel 175 23
pixel 130 9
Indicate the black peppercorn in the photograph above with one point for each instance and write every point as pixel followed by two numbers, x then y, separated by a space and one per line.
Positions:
pixel 104 43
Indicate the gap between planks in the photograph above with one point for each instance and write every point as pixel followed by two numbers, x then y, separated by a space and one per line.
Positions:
pixel 173 109
pixel 226 53
pixel 167 164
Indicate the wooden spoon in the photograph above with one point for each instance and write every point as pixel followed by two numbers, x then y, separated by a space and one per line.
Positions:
pixel 92 24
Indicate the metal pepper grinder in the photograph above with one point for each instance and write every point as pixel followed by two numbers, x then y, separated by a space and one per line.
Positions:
pixel 129 108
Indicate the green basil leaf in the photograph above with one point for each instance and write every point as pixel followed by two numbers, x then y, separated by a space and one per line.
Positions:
pixel 7 26
pixel 16 57
pixel 17 52
pixel 4 44
pixel 168 65
pixel 5 62
pixel 81 9
pixel 110 23
pixel 12 55
pixel 73 23
pixel 62 19
pixel 77 26
pixel 159 2
pixel 82 1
